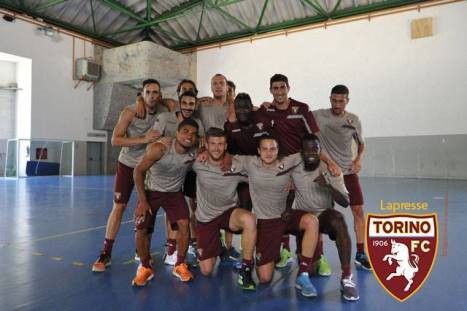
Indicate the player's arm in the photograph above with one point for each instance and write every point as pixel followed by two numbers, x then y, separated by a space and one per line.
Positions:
pixel 119 137
pixel 357 162
pixel 153 154
pixel 336 186
pixel 140 107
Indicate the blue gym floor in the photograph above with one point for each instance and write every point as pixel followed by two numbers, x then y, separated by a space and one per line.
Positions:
pixel 52 228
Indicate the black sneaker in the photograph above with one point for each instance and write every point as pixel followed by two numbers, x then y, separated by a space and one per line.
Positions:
pixel 229 255
pixel 245 280
pixel 101 263
pixel 349 289
pixel 361 260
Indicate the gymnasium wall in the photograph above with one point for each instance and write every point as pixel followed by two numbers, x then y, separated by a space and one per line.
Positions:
pixel 409 93
pixel 58 109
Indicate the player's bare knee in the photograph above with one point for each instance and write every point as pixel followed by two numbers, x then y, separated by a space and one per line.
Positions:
pixel 248 221
pixel 264 278
pixel 309 222
pixel 183 224
pixel 206 269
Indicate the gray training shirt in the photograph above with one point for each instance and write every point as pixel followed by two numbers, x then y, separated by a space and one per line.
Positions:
pixel 213 115
pixel 168 174
pixel 215 192
pixel 167 123
pixel 130 156
pixel 267 189
pixel 336 135
pixel 309 195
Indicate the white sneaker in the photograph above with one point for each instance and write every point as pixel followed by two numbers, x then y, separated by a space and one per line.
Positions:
pixel 170 260
pixel 191 250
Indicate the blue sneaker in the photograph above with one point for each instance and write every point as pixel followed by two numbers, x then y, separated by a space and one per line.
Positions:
pixel 361 261
pixel 305 286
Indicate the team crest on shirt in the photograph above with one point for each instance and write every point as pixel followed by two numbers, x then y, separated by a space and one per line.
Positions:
pixel 260 126
pixel 281 166
pixel 295 109
pixel 402 251
pixel 350 121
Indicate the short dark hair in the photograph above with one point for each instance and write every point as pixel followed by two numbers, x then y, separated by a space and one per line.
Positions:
pixel 151 81
pixel 219 75
pixel 243 97
pixel 189 122
pixel 215 132
pixel 231 84
pixel 187 81
pixel 309 137
pixel 266 137
pixel 278 78
pixel 340 89
pixel 189 93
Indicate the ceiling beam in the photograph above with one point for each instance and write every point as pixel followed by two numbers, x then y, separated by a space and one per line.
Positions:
pixel 317 7
pixel 46 5
pixel 61 24
pixel 260 20
pixel 335 7
pixel 92 14
pixel 201 20
pixel 229 16
pixel 117 6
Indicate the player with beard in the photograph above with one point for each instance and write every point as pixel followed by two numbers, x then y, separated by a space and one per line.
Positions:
pixel 268 177
pixel 340 129
pixel 159 178
pixel 217 209
pixel 132 134
pixel 316 191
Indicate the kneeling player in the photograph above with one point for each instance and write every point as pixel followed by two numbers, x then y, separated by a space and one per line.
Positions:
pixel 217 209
pixel 316 191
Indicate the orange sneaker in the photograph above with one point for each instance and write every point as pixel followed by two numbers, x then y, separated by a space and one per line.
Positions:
pixel 143 276
pixel 101 263
pixel 182 272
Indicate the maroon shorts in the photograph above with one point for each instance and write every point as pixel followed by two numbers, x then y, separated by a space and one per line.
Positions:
pixel 244 198
pixel 270 232
pixel 189 186
pixel 124 183
pixel 173 203
pixel 352 183
pixel 208 235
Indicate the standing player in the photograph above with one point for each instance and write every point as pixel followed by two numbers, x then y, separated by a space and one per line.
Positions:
pixel 315 192
pixel 292 119
pixel 167 123
pixel 132 134
pixel 159 177
pixel 268 177
pixel 217 209
pixel 339 128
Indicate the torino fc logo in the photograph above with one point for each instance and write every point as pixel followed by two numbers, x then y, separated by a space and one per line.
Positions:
pixel 402 250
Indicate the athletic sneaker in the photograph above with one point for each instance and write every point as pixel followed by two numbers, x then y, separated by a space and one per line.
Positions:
pixel 182 272
pixel 170 260
pixel 192 249
pixel 324 268
pixel 230 254
pixel 137 257
pixel 349 289
pixel 245 280
pixel 143 276
pixel 361 260
pixel 305 286
pixel 102 262
pixel 286 258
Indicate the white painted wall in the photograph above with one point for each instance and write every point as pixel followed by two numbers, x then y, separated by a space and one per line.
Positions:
pixel 7 73
pixel 398 86
pixel 58 110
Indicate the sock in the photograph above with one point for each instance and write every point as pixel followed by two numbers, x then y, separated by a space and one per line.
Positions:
pixel 108 246
pixel 320 247
pixel 360 248
pixel 180 259
pixel 285 242
pixel 247 263
pixel 171 246
pixel 346 271
pixel 145 262
pixel 305 263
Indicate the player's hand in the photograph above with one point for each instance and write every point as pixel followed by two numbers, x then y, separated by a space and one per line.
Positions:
pixel 266 105
pixel 202 157
pixel 202 143
pixel 334 169
pixel 166 141
pixel 356 166
pixel 206 100
pixel 140 110
pixel 141 210
pixel 151 136
pixel 289 187
pixel 226 163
